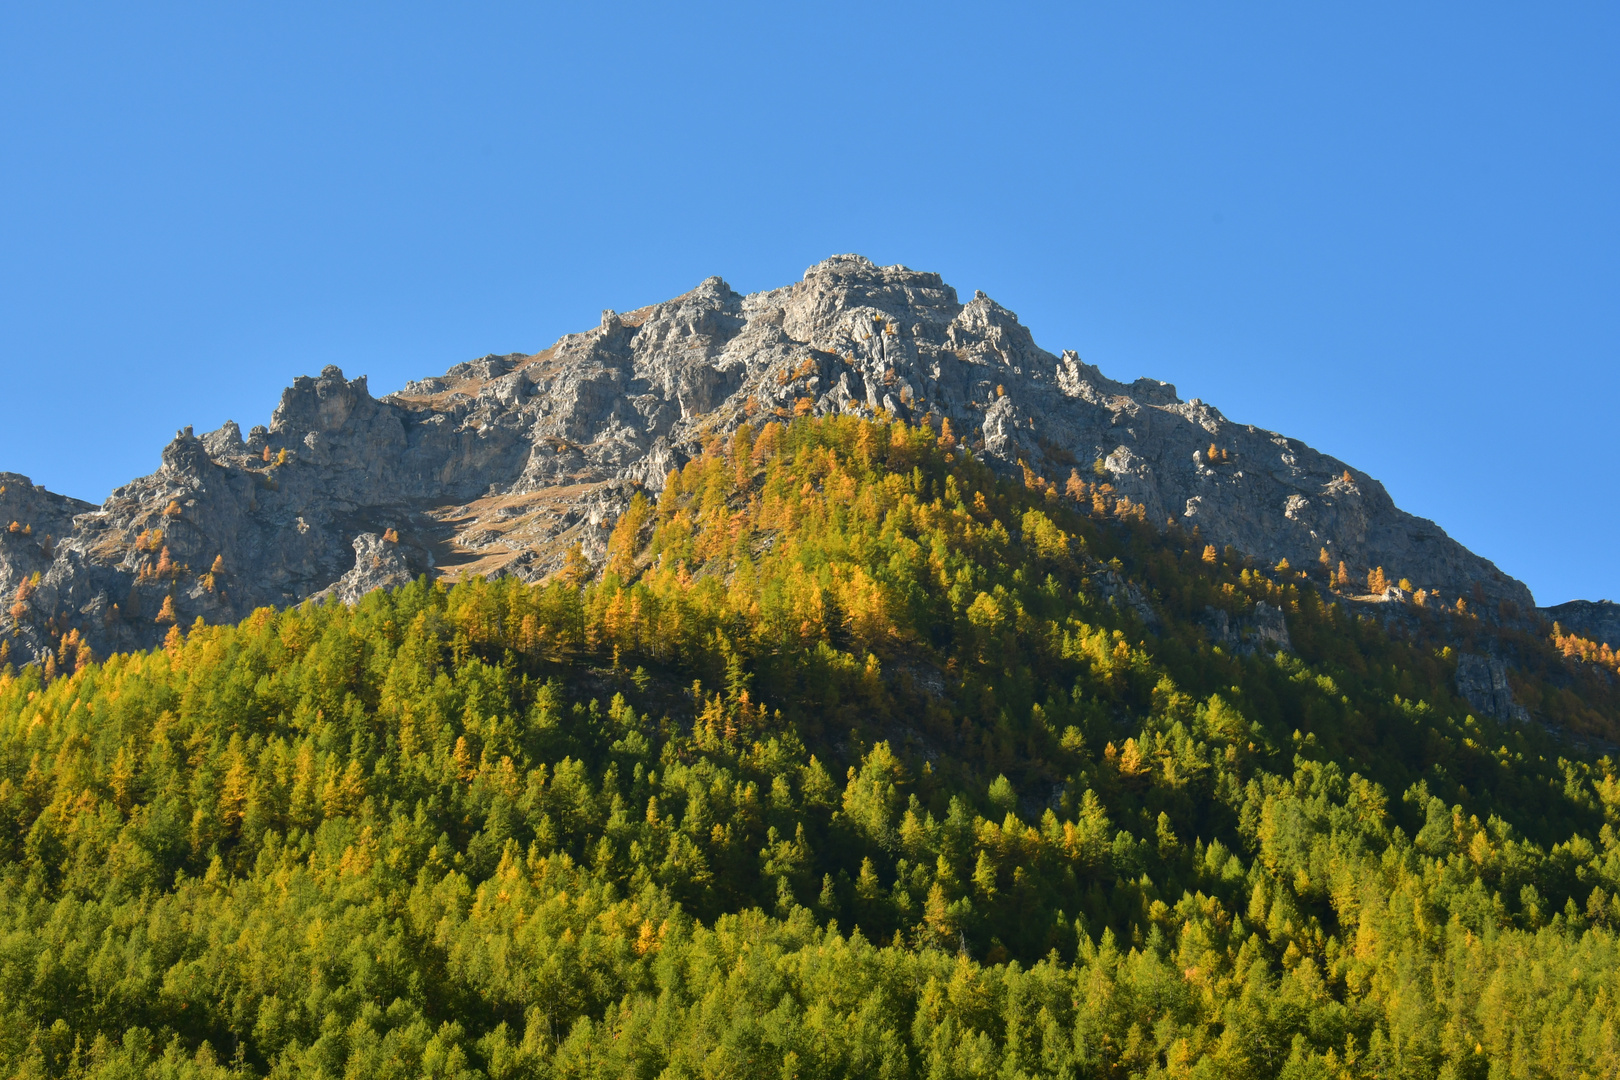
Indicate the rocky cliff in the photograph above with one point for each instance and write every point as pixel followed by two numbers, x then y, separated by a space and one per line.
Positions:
pixel 503 464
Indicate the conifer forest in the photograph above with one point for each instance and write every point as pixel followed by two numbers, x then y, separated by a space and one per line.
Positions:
pixel 854 758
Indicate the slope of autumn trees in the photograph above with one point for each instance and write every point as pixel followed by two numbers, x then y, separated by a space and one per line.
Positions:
pixel 852 761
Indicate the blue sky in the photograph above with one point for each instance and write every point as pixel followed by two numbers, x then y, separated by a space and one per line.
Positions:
pixel 1389 232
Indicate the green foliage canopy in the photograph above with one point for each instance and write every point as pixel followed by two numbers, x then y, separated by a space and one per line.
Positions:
pixel 856 761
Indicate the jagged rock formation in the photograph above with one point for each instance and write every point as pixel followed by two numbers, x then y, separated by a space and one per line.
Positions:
pixel 502 464
pixel 31 521
pixel 378 564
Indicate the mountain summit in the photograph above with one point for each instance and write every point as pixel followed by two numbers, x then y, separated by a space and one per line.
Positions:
pixel 504 464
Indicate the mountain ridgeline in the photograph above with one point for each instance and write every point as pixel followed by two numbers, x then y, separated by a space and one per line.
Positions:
pixel 713 695
pixel 504 464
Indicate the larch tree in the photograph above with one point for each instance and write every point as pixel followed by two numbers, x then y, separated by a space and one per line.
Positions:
pixel 1076 487
pixel 626 537
pixel 576 569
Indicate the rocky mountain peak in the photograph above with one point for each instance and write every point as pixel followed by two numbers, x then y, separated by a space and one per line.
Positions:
pixel 503 463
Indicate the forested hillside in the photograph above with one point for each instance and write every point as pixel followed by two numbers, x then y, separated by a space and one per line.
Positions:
pixel 852 760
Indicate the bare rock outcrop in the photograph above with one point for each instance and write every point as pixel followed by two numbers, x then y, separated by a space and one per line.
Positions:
pixel 1482 681
pixel 1265 629
pixel 502 464
pixel 33 521
pixel 379 563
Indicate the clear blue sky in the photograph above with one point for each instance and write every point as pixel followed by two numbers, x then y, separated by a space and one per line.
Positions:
pixel 1390 230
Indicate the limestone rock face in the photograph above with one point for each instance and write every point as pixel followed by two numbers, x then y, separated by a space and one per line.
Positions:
pixel 1482 681
pixel 378 564
pixel 502 464
pixel 1265 629
pixel 32 522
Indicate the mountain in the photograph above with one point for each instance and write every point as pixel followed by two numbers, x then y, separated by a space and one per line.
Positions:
pixel 820 683
pixel 504 464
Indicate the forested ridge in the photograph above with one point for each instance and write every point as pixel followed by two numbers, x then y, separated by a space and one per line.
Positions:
pixel 853 759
